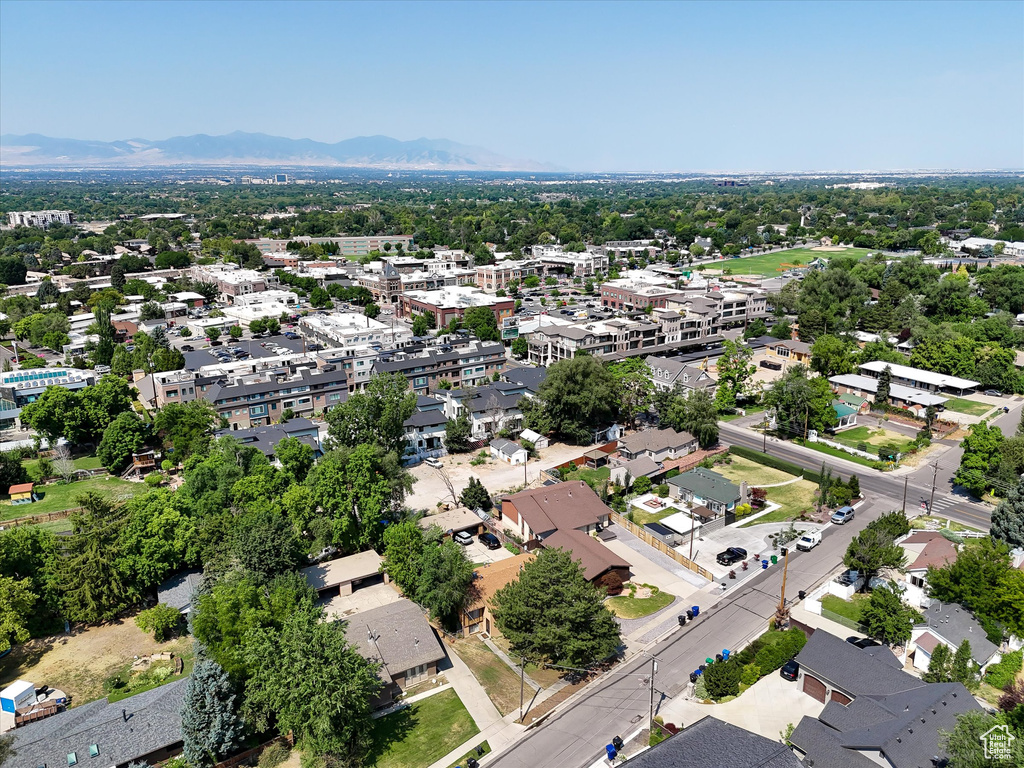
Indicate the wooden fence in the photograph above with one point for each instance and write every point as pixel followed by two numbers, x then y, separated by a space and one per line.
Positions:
pixel 36 519
pixel 250 756
pixel 661 546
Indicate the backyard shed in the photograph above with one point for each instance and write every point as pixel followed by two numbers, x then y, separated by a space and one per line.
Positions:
pixel 22 493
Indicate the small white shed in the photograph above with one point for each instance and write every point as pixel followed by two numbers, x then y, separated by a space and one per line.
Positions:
pixel 539 441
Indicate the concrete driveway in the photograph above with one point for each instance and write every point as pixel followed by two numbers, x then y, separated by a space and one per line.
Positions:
pixel 478 553
pixel 646 570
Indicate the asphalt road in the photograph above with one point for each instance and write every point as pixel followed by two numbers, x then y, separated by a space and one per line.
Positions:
pixel 575 737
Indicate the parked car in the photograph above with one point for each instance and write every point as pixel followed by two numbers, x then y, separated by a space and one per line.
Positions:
pixel 731 556
pixel 808 541
pixel 465 538
pixel 993 393
pixel 290 335
pixel 489 540
pixel 771 364
pixel 842 516
pixel 432 462
pixel 790 670
pixel 187 348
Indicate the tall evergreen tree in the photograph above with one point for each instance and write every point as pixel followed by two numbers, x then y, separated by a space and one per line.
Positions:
pixel 963 669
pixel 211 727
pixel 884 385
pixel 939 665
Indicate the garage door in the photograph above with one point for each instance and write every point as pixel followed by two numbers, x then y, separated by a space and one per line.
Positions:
pixel 814 687
pixel 842 698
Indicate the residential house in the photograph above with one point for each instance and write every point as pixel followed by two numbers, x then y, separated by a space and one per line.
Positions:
pixel 425 434
pixel 704 487
pixel 179 590
pixel 507 451
pixel 594 558
pixel 712 743
pixel 875 713
pixel 668 373
pixel 861 404
pixel 530 377
pixel 398 637
pixel 925 549
pixel 266 437
pixel 789 351
pixel 657 444
pixel 346 574
pixel 846 415
pixel 951 624
pixel 491 408
pixel 627 472
pixel 477 614
pixel 145 728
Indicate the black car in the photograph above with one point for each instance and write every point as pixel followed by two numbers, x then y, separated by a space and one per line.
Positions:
pixel 862 642
pixel 731 555
pixel 790 670
pixel 187 348
pixel 489 540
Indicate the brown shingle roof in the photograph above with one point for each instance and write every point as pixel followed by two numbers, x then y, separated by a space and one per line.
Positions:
pixel 563 506
pixel 492 577
pixel 592 555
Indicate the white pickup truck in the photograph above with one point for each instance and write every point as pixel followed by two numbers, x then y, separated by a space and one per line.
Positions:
pixel 808 541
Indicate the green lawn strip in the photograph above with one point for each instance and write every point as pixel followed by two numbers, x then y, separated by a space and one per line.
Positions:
pixel 472 753
pixel 872 437
pixel 498 680
pixel 794 499
pixel 921 523
pixel 970 407
pixel 626 607
pixel 57 498
pixel 422 733
pixel 849 609
pixel 754 474
pixel 643 517
pixel 837 453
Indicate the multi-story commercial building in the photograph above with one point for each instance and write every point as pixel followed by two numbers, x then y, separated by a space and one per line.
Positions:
pixel 553 258
pixel 255 399
pixel 348 330
pixel 19 388
pixel 385 285
pixel 497 276
pixel 257 306
pixel 451 302
pixel 637 291
pixel 41 219
pixel 232 281
pixel 349 246
pixel 470 364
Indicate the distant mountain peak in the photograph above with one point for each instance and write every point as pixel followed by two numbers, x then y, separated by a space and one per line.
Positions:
pixel 252 149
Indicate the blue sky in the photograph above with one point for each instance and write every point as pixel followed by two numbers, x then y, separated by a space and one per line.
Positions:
pixel 585 86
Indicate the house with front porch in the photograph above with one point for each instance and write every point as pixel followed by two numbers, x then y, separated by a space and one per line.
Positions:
pixel 790 351
pixel 657 444
pixel 846 415
pixel 704 487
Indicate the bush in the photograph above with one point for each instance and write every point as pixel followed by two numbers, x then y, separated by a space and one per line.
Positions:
pixel 153 479
pixel 663 490
pixel 700 689
pixel 273 755
pixel 674 472
pixel 751 674
pixel 166 465
pixel 1002 674
pixel 723 679
pixel 162 620
pixel 611 583
pixel 773 649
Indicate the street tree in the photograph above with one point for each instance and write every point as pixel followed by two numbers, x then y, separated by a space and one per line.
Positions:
pixel 801 403
pixel 375 416
pixel 552 613
pixel 980 458
pixel 635 387
pixel 871 551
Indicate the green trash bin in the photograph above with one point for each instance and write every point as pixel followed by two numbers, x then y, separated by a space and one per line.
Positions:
pixel 775 560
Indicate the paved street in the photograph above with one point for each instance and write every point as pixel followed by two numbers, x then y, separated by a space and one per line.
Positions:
pixel 618 705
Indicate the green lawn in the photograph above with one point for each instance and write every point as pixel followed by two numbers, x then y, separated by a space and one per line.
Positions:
pixel 83 462
pixel 56 498
pixel 871 437
pixel 643 516
pixel 970 407
pixel 591 477
pixel 627 607
pixel 123 683
pixel 849 609
pixel 779 261
pixel 422 733
pixel 755 474
pixel 795 498
pixel 498 680
pixel 837 453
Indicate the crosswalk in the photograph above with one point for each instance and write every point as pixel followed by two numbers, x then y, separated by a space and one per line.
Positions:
pixel 944 503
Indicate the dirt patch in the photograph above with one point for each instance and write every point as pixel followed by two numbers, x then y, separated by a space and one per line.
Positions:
pixel 78 663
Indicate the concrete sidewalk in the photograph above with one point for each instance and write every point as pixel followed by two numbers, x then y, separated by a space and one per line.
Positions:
pixel 472 694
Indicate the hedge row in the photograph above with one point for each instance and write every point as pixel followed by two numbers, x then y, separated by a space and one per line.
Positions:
pixel 774 462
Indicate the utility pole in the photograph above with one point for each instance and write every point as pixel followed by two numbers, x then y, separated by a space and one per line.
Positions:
pixel 782 613
pixel 935 471
pixel 522 682
pixel 905 481
pixel 764 444
pixel 650 721
pixel 807 413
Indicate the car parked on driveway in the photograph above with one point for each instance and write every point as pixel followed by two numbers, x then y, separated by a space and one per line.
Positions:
pixel 842 516
pixel 731 556
pixel 465 538
pixel 432 462
pixel 993 393
pixel 790 670
pixel 489 540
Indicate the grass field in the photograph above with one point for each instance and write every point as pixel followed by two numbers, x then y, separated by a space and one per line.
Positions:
pixel 645 516
pixel 848 609
pixel 775 263
pixel 794 499
pixel 830 451
pixel 500 682
pixel 755 474
pixel 969 407
pixel 628 607
pixel 83 462
pixel 872 437
pixel 421 734
pixel 56 498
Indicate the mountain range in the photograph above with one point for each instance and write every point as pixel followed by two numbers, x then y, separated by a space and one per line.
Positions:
pixel 256 149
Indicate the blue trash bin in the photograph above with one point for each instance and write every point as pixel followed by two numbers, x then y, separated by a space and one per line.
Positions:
pixel 764 565
pixel 612 752
pixel 696 611
pixel 725 654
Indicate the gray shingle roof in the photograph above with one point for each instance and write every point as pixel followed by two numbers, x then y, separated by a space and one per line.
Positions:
pixel 850 669
pixel 154 722
pixel 504 446
pixel 531 378
pixel 178 590
pixel 710 743
pixel 707 485
pixel 397 635
pixel 954 624
pixel 657 440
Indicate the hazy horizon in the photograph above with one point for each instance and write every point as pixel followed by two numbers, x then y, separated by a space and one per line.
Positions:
pixel 584 87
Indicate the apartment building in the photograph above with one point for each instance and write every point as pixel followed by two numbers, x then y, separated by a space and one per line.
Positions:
pixel 553 258
pixel 254 399
pixel 452 302
pixel 19 388
pixel 498 276
pixel 40 219
pixel 638 291
pixel 470 364
pixel 622 249
pixel 231 281
pixel 349 246
pixel 348 330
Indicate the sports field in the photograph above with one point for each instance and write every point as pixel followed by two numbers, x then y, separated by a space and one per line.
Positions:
pixel 778 262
